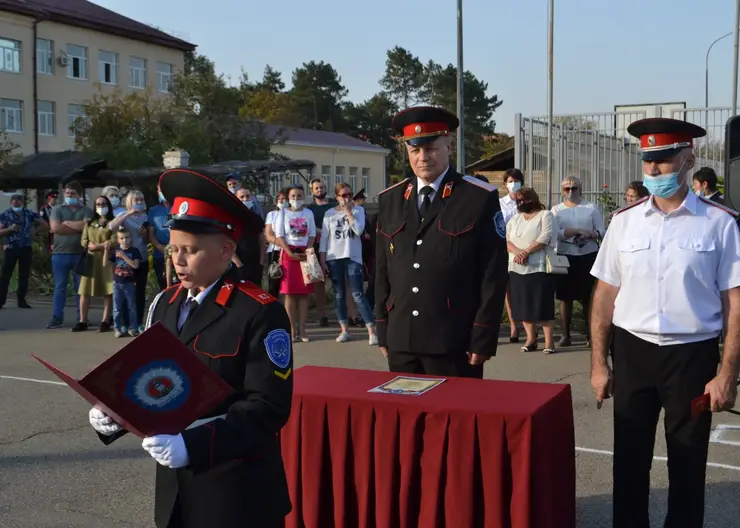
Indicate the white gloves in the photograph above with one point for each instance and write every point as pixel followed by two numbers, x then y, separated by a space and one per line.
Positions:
pixel 103 423
pixel 168 450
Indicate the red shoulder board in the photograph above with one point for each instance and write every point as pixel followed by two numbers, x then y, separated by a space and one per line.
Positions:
pixel 630 206
pixel 227 288
pixel 726 209
pixel 256 293
pixel 177 292
pixel 394 186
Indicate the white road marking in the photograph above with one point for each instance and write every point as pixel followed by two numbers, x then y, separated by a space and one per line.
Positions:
pixel 716 435
pixel 33 380
pixel 659 458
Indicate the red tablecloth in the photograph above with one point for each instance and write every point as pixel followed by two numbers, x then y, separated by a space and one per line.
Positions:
pixel 469 453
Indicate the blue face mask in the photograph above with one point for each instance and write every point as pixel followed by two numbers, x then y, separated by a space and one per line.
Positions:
pixel 664 185
pixel 161 197
pixel 248 203
pixel 17 209
pixel 140 207
pixel 70 200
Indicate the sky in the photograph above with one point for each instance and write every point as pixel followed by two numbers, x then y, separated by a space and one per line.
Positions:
pixel 606 53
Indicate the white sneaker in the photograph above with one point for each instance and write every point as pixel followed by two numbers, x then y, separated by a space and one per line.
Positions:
pixel 343 337
pixel 373 340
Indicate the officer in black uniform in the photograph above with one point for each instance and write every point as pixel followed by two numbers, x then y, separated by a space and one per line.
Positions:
pixel 441 270
pixel 225 470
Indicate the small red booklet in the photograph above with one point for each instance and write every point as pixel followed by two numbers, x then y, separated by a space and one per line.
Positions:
pixel 154 385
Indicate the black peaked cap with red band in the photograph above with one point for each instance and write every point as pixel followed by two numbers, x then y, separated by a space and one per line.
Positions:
pixel 662 138
pixel 423 124
pixel 200 204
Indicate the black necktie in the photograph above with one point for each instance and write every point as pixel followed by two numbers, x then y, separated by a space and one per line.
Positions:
pixel 191 305
pixel 425 202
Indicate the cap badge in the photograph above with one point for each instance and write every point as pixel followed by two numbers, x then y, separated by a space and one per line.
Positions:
pixel 651 141
pixel 183 209
pixel 418 129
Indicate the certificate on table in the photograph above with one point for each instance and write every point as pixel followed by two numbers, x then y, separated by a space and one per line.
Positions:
pixel 407 385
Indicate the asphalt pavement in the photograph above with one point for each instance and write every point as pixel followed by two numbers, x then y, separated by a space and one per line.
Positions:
pixel 55 473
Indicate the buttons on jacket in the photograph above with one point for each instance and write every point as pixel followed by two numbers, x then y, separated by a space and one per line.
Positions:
pixel 415 313
pixel 415 289
pixel 419 242
pixel 416 265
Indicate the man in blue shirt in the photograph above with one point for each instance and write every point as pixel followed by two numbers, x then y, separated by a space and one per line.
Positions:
pixel 159 215
pixel 18 225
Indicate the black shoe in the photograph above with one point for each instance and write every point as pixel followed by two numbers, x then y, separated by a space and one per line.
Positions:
pixel 104 327
pixel 23 304
pixel 79 327
pixel 323 322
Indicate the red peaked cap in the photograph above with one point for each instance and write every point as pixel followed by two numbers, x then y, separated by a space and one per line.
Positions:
pixel 202 205
pixel 662 138
pixel 423 124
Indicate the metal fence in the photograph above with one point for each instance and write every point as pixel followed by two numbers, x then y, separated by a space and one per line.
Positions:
pixel 598 149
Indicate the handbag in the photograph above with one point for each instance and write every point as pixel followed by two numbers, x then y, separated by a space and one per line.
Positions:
pixel 555 264
pixel 82 267
pixel 311 268
pixel 275 270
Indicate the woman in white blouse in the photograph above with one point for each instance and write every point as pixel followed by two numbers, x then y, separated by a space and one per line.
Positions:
pixel 531 288
pixel 580 225
pixel 341 257
pixel 273 250
pixel 295 231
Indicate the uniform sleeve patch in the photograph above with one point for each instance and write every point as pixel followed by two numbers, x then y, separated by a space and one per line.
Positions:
pixel 498 220
pixel 278 346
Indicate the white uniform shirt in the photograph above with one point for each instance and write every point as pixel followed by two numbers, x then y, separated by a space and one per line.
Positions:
pixel 185 310
pixel 670 269
pixel 508 207
pixel 585 215
pixel 434 185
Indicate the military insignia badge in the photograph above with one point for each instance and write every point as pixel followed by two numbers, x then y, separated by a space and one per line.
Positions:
pixel 277 344
pixel 500 223
pixel 651 141
pixel 160 386
pixel 183 210
pixel 418 129
pixel 409 188
pixel 447 190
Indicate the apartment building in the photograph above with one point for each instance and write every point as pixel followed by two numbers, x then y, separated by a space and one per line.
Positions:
pixel 57 54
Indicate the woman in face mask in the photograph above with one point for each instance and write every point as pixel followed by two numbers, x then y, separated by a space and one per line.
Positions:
pixel 532 289
pixel 98 281
pixel 295 231
pixel 580 225
pixel 513 180
pixel 114 195
pixel 273 250
pixel 136 222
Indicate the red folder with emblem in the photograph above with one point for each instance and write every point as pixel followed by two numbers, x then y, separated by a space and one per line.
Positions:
pixel 154 385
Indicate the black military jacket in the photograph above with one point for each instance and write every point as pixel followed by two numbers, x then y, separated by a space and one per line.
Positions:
pixel 441 281
pixel 236 476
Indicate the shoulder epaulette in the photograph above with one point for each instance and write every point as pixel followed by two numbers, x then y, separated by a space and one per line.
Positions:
pixel 480 183
pixel 255 292
pixel 394 186
pixel 726 209
pixel 630 206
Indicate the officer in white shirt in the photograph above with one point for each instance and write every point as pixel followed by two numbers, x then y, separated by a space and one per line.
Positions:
pixel 668 275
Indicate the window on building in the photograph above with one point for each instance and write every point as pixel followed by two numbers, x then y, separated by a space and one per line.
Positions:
pixel 366 180
pixel 45 56
pixel 46 118
pixel 108 67
pixel 10 55
pixel 326 174
pixel 73 112
pixel 276 183
pixel 138 72
pixel 353 179
pixel 77 65
pixel 164 76
pixel 11 115
pixel 339 175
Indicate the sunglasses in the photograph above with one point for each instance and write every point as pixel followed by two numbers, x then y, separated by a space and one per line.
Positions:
pixel 346 195
pixel 569 189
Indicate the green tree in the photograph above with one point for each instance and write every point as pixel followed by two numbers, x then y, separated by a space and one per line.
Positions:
pixel 318 92
pixel 271 107
pixel 272 80
pixel 479 107
pixel 496 143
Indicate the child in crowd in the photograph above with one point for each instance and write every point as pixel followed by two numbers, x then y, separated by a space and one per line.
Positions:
pixel 125 260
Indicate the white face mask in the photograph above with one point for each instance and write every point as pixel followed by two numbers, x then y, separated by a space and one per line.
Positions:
pixel 283 205
pixel 514 186
pixel 102 211
pixel 296 204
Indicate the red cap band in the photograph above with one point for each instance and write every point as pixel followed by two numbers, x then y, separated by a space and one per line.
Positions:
pixel 416 129
pixel 184 207
pixel 651 141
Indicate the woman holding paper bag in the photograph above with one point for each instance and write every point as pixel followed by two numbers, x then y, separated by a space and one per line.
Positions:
pixel 295 231
pixel 341 256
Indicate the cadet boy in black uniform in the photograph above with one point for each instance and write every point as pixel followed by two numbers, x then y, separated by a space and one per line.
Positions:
pixel 225 470
pixel 442 266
